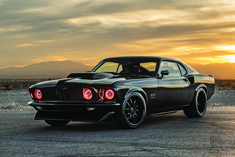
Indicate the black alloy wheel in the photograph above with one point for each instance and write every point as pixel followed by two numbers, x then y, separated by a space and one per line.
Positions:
pixel 133 111
pixel 198 106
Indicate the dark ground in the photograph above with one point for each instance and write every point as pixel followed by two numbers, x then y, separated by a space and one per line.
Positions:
pixel 161 135
pixel 165 135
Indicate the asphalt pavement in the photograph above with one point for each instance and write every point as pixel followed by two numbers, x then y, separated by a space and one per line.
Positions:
pixel 160 135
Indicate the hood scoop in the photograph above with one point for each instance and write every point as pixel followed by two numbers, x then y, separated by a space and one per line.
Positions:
pixel 90 75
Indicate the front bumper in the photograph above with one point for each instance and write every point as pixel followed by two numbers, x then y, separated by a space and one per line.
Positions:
pixel 74 111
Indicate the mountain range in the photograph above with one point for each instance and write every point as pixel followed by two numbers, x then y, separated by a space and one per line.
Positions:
pixel 225 71
pixel 52 69
pixel 60 69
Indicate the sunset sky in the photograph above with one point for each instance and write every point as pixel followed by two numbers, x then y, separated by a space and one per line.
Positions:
pixel 86 31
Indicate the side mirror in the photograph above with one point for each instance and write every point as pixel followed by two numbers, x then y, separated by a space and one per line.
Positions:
pixel 164 72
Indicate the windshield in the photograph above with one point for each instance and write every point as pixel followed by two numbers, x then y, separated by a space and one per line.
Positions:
pixel 128 67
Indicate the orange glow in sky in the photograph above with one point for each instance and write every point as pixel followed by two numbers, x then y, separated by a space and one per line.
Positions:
pixel 230 58
pixel 229 48
pixel 87 31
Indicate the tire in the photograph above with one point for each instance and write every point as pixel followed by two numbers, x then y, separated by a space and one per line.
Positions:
pixel 132 113
pixel 198 106
pixel 56 122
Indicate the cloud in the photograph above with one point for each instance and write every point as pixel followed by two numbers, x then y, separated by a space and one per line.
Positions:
pixel 51 58
pixel 90 30
pixel 25 45
pixel 35 43
pixel 44 41
pixel 14 28
pixel 132 19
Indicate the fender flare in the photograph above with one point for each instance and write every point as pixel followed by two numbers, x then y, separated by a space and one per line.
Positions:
pixel 201 86
pixel 140 90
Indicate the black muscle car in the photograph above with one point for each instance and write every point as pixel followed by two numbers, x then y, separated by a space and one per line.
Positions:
pixel 124 89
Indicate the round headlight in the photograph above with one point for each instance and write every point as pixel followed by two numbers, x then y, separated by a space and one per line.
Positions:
pixel 109 94
pixel 87 94
pixel 38 94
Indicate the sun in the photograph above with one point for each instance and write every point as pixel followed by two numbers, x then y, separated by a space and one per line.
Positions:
pixel 229 58
pixel 227 48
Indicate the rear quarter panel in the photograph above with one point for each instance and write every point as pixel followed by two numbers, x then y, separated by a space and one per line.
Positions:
pixel 206 80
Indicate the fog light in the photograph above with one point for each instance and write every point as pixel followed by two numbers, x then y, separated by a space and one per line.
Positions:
pixel 39 107
pixel 90 108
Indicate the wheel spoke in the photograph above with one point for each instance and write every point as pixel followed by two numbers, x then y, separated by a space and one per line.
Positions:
pixel 128 104
pixel 135 114
pixel 137 105
pixel 127 108
pixel 131 101
pixel 128 115
pixel 135 102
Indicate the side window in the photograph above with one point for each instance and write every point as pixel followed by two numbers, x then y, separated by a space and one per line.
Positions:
pixel 182 69
pixel 150 66
pixel 172 68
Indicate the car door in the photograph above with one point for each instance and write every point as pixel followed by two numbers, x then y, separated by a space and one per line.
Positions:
pixel 173 85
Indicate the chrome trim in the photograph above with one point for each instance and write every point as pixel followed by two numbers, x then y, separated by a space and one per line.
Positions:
pixel 32 103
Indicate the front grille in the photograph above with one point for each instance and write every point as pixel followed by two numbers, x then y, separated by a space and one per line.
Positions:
pixel 73 94
pixel 49 93
pixel 62 94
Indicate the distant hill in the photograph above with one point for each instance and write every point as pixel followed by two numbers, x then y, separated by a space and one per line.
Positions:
pixel 218 70
pixel 60 69
pixel 52 69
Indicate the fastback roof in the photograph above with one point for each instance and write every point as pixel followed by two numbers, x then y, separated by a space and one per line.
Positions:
pixel 142 57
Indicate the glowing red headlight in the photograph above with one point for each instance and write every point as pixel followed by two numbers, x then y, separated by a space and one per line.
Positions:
pixel 38 94
pixel 109 94
pixel 87 94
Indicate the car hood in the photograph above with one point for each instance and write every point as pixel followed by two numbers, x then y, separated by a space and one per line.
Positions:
pixel 81 79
